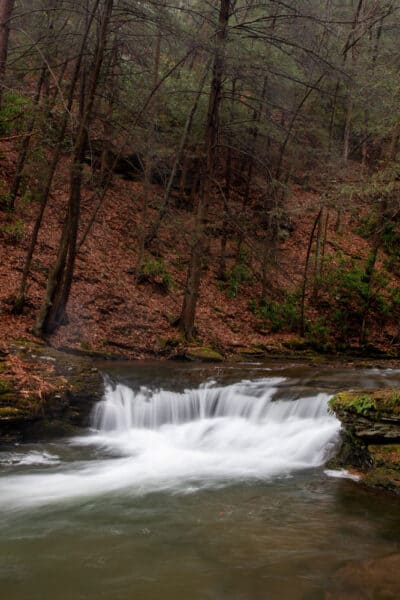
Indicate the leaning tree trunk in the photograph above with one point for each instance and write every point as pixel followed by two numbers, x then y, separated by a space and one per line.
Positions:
pixel 23 153
pixel 42 89
pixel 349 107
pixel 305 276
pixel 257 113
pixel 45 191
pixel 200 241
pixel 149 162
pixel 227 195
pixel 368 277
pixel 6 8
pixel 53 310
pixel 186 132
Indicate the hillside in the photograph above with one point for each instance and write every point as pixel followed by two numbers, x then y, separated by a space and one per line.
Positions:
pixel 110 312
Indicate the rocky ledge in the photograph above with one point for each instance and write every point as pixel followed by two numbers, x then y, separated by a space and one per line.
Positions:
pixel 370 436
pixel 45 392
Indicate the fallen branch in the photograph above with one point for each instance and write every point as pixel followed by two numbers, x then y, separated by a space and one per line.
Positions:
pixel 19 135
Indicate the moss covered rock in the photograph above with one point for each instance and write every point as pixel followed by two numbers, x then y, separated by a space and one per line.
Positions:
pixel 48 393
pixel 372 415
pixel 371 435
pixel 203 353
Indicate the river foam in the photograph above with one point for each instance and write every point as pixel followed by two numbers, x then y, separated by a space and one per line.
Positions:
pixel 156 440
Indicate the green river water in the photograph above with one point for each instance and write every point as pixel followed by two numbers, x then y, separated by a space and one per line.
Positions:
pixel 231 502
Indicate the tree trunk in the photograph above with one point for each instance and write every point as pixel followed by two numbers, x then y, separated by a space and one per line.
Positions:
pixel 370 268
pixel 318 256
pixel 6 8
pixel 52 313
pixel 23 153
pixel 199 247
pixel 296 113
pixel 394 143
pixel 149 162
pixel 347 129
pixel 304 286
pixel 257 113
pixel 188 125
pixel 42 89
pixel 227 194
pixel 45 191
pixel 349 111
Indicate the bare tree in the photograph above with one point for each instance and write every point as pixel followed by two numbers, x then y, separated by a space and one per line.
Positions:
pixel 6 8
pixel 199 246
pixel 53 309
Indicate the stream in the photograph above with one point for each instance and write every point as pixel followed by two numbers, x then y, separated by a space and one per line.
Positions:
pixel 194 482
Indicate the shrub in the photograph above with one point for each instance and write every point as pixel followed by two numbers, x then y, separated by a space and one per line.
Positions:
pixel 12 232
pixel 155 271
pixel 279 315
pixel 239 274
pixel 348 296
pixel 12 106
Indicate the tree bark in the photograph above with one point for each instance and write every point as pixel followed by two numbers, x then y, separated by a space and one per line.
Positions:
pixel 349 110
pixel 227 194
pixel 45 191
pixel 199 247
pixel 186 132
pixel 304 286
pixel 23 153
pixel 370 267
pixel 53 311
pixel 149 162
pixel 6 8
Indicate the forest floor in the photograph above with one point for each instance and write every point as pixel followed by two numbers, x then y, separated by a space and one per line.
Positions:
pixel 110 313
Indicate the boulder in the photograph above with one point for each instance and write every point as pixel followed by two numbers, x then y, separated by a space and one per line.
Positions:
pixel 203 353
pixel 371 435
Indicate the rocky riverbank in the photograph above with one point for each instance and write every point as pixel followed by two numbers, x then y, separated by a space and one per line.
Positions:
pixel 371 435
pixel 44 391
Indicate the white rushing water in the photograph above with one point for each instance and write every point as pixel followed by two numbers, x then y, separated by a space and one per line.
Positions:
pixel 180 442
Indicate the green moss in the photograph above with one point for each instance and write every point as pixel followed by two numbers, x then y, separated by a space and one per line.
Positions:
pixel 373 404
pixel 363 404
pixel 204 353
pixel 11 412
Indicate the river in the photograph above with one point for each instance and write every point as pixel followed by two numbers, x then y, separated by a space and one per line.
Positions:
pixel 194 482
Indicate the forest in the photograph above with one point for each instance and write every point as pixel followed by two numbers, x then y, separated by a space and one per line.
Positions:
pixel 199 299
pixel 222 173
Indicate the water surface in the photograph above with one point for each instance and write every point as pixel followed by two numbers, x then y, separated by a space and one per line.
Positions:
pixel 194 482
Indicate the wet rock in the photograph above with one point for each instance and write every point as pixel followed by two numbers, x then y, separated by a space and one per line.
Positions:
pixel 371 435
pixel 373 416
pixel 74 385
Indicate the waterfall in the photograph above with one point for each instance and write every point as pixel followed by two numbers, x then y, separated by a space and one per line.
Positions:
pixel 148 440
pixel 123 409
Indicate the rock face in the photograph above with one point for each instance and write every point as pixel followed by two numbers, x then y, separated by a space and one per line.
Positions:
pixel 371 435
pixel 71 385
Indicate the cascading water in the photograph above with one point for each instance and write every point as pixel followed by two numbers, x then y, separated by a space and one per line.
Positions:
pixel 180 442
